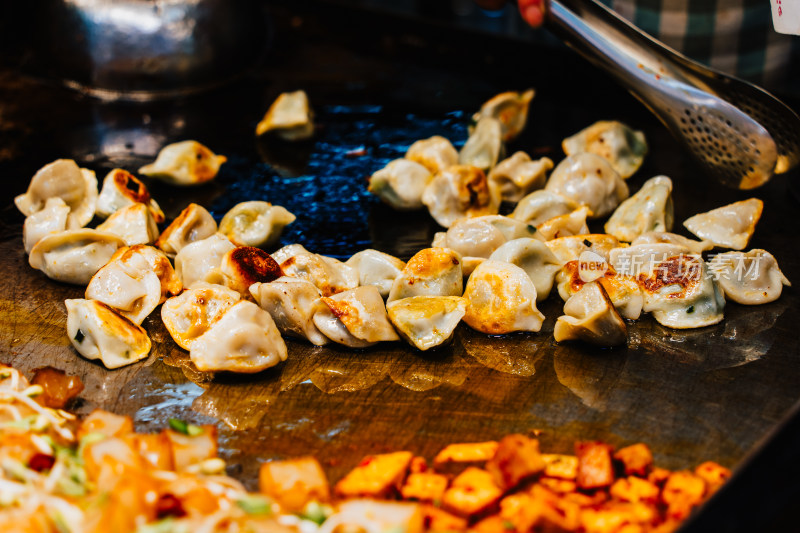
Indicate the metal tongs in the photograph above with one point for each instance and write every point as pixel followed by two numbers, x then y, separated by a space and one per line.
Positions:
pixel 741 134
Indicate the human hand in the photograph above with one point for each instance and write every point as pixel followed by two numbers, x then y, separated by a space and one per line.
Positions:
pixel 532 11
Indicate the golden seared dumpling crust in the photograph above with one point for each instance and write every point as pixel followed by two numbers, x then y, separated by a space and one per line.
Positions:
pixel 193 224
pixel 650 209
pixel 426 322
pixel 435 153
pixel 518 176
pixel 74 256
pixel 133 223
pixel 355 318
pixel 565 225
pixel 64 179
pixel 400 184
pixel 570 248
pixel 589 316
pixel 460 191
pixel 291 303
pixel 184 163
pixel 430 272
pixel 615 142
pixel 589 180
pixel 749 278
pixel 623 291
pixel 289 117
pixel 158 262
pixel 243 266
pixel 190 314
pixel 729 226
pixel 121 189
pixel 255 223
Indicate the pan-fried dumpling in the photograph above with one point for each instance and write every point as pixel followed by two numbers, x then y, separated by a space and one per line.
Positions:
pixel 461 191
pixel 244 339
pixel 650 209
pixel 327 274
pixel 289 117
pixel 435 153
pixel 565 225
pixel 589 316
pixel 501 298
pixel 535 258
pixel 290 250
pixel 129 286
pixel 401 183
pixel 65 179
pixel 355 318
pixel 74 256
pixel 430 272
pixel 570 248
pixel 589 180
pixel 749 278
pixel 640 259
pixel 194 224
pixel 121 189
pixel 243 266
pixel 291 304
pixel 615 142
pixel 540 206
pixel 679 293
pixel 255 223
pixel 624 291
pixel 196 260
pixel 510 108
pixel 134 224
pixel 653 237
pixel 426 322
pixel 484 146
pixel 52 218
pixel 376 268
pixel 730 226
pixel 184 163
pixel 98 332
pixel 190 314
pixel 518 175
pixel 158 262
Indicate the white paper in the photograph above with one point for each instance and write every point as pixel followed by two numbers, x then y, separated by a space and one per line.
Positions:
pixel 786 16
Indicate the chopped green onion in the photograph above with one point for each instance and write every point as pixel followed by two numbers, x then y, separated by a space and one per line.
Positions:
pixel 690 310
pixel 587 242
pixel 316 512
pixel 180 426
pixel 509 525
pixel 253 504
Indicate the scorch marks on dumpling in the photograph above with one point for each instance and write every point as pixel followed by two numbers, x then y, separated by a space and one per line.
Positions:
pixel 589 180
pixel 650 209
pixel 426 322
pixel 52 218
pixel 642 258
pixel 74 256
pixel 615 142
pixel 535 258
pixel 196 260
pixel 623 291
pixel 121 189
pixel 184 163
pixel 484 145
pixel 400 184
pixel 245 339
pixel 501 298
pixel 327 274
pixel 63 179
pixel 749 278
pixel 194 224
pixel 570 248
pixel 729 226
pixel 291 304
pixel 243 266
pixel 133 223
pixel 192 313
pixel 376 268
pixel 430 272
pixel 98 332
pixel 518 176
pixel 540 206
pixel 458 192
pixel 565 225
pixel 435 153
pixel 255 223
pixel 289 117
pixel 355 318
pixel 589 316
pixel 510 109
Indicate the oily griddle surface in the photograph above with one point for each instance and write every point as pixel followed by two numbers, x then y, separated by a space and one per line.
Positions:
pixel 711 393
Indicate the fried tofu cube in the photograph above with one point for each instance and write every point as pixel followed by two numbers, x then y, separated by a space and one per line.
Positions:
pixel 517 458
pixel 418 465
pixel 108 424
pixel 437 519
pixel 189 450
pixel 154 448
pixel 595 469
pixel 713 474
pixel 521 511
pixel 617 518
pixel 557 512
pixel 427 487
pixel 472 492
pixel 658 476
pixel 371 515
pixel 559 486
pixel 636 459
pixel 560 466
pixel 294 483
pixel 378 476
pixel 681 493
pixel 493 524
pixel 634 489
pixel 466 453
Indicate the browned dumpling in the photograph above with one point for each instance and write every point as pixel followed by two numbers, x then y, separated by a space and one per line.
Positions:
pixel 430 272
pixel 510 108
pixel 194 224
pixel 461 191
pixel 729 226
pixel 121 189
pixel 184 163
pixel 355 318
pixel 435 153
pixel 289 117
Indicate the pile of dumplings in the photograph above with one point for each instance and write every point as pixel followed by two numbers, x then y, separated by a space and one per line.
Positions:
pixel 230 303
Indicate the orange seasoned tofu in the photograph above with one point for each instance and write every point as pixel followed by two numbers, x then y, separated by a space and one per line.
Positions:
pixel 437 519
pixel 108 424
pixel 681 493
pixel 188 450
pixel 560 466
pixel 618 518
pixel 427 487
pixel 472 492
pixel 634 489
pixel 658 476
pixel 517 458
pixel 559 513
pixel 637 459
pixel 155 448
pixel 493 524
pixel 294 483
pixel 559 486
pixel 470 452
pixel 713 474
pixel 381 516
pixel 418 465
pixel 595 469
pixel 377 476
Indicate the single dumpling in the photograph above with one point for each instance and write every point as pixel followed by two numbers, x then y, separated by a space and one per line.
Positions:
pixel 290 250
pixel 461 191
pixel 244 340
pixel 589 180
pixel 589 316
pixel 680 293
pixel 518 176
pixel 376 268
pixel 510 108
pixel 650 209
pixel 484 145
pixel 570 248
pixel 400 184
pixel 184 163
pixel 426 322
pixel 435 153
pixel 653 237
pixel 243 266
pixel 52 218
pixel 255 223
pixel 501 298
pixel 565 225
pixel 430 272
pixel 74 256
pixel 615 142
pixel 97 332
pixel 133 223
pixel 749 278
pixel 535 258
pixel 730 226
pixel 194 224
pixel 121 189
pixel 327 274
pixel 190 314
pixel 540 206
pixel 291 304
pixel 639 260
pixel 623 291
pixel 289 117
pixel 65 179
pixel 356 318
pixel 158 262
pixel 196 260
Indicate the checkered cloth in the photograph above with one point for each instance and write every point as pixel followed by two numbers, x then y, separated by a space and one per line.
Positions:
pixel 734 36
